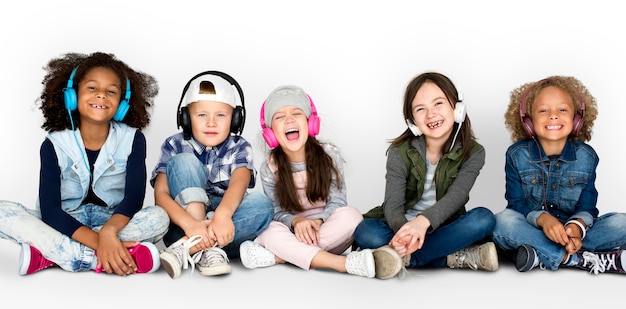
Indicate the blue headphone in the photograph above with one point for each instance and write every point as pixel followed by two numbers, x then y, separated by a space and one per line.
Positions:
pixel 71 102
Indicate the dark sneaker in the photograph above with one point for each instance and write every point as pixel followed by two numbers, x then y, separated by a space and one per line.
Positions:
pixel 527 258
pixel 31 260
pixel 600 262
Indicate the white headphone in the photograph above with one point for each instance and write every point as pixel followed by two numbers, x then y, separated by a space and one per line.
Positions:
pixel 459 116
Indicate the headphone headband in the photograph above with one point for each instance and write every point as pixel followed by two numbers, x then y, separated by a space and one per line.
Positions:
pixel 239 113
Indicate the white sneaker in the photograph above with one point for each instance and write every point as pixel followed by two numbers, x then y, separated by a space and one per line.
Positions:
pixel 176 257
pixel 213 262
pixel 254 255
pixel 361 263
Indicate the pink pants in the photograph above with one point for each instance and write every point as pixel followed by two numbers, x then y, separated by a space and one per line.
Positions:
pixel 336 235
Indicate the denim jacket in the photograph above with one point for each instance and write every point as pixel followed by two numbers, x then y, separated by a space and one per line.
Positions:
pixel 109 176
pixel 563 186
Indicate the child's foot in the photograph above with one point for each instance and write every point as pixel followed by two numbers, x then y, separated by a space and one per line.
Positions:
pixel 388 262
pixel 477 257
pixel 146 256
pixel 254 255
pixel 361 263
pixel 213 262
pixel 600 262
pixel 31 260
pixel 176 257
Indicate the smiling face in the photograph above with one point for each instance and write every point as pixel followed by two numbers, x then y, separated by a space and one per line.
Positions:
pixel 290 127
pixel 553 115
pixel 98 94
pixel 432 112
pixel 210 121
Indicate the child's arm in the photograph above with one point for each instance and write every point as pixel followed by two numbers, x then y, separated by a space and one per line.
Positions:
pixel 179 216
pixel 222 226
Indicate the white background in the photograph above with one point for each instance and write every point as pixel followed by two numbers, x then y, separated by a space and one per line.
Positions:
pixel 354 58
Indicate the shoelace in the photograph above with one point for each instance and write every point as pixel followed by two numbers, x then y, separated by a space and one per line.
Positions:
pixel 468 257
pixel 182 252
pixel 402 272
pixel 214 255
pixel 599 263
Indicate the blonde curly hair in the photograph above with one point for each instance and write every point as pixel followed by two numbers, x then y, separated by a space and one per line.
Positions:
pixel 528 92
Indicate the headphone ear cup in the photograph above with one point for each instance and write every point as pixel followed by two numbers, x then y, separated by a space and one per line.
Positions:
pixel 70 99
pixel 314 124
pixel 184 122
pixel 414 129
pixel 122 109
pixel 577 124
pixel 270 138
pixel 236 123
pixel 528 126
pixel 460 110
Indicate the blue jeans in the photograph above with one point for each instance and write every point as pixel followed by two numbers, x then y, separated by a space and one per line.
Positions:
pixel 187 180
pixel 474 226
pixel 24 225
pixel 512 230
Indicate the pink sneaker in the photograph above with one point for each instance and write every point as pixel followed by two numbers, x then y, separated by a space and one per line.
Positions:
pixel 32 261
pixel 146 256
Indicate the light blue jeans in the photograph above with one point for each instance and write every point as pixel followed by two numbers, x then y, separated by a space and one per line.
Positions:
pixel 24 225
pixel 473 227
pixel 512 230
pixel 187 180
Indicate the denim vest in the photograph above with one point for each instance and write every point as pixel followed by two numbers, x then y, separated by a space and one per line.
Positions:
pixel 109 175
pixel 565 184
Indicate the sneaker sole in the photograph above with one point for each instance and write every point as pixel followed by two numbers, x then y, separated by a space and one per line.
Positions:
pixel 169 263
pixel 387 263
pixel 156 263
pixel 522 260
pixel 24 256
pixel 214 270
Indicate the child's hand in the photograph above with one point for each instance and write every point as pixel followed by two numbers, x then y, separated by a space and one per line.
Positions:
pixel 113 256
pixel 410 237
pixel 307 230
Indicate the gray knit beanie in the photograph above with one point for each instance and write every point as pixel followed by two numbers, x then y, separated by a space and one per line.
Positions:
pixel 283 96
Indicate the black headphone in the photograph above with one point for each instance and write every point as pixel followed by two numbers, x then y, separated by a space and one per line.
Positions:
pixel 527 122
pixel 239 112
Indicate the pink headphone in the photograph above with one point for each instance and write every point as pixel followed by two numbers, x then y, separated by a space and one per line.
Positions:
pixel 527 122
pixel 313 124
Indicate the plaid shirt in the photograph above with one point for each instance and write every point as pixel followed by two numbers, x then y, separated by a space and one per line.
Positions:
pixel 220 161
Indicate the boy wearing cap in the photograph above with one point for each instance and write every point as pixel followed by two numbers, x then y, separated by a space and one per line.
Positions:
pixel 202 177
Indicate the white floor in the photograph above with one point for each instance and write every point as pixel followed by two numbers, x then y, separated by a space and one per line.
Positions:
pixel 285 286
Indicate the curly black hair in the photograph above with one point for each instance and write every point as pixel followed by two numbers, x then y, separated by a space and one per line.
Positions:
pixel 144 89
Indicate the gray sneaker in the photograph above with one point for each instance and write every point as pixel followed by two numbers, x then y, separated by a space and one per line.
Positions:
pixel 388 262
pixel 213 262
pixel 477 257
pixel 176 257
